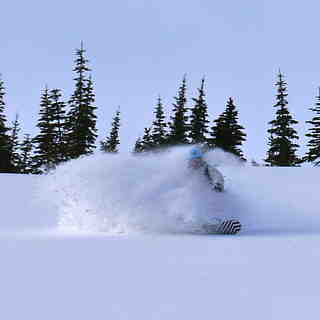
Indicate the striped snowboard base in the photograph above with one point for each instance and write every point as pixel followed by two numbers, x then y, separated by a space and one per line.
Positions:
pixel 231 226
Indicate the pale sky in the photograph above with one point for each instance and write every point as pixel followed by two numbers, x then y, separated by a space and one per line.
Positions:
pixel 141 48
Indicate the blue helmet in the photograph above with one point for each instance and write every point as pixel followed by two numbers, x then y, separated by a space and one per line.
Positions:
pixel 195 153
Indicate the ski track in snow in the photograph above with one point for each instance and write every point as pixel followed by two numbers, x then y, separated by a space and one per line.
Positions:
pixel 125 194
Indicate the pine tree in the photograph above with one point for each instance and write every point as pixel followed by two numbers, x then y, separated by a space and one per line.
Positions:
pixel 57 121
pixel 91 120
pixel 138 147
pixel 199 118
pixel 26 160
pixel 81 122
pixel 313 154
pixel 45 141
pixel 5 165
pixel 146 143
pixel 159 133
pixel 282 151
pixel 178 125
pixel 147 140
pixel 14 145
pixel 227 134
pixel 111 143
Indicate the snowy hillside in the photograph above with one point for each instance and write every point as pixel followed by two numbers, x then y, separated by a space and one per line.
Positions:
pixel 107 237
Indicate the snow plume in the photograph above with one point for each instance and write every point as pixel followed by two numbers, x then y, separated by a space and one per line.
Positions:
pixel 275 199
pixel 220 158
pixel 127 193
pixel 158 193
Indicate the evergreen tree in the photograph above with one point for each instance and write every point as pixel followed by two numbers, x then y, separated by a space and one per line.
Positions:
pixel 199 118
pixel 91 119
pixel 111 143
pixel 282 151
pixel 138 147
pixel 81 122
pixel 227 134
pixel 45 141
pixel 14 145
pixel 26 160
pixel 147 140
pixel 178 126
pixel 5 165
pixel 57 121
pixel 159 133
pixel 146 143
pixel 313 153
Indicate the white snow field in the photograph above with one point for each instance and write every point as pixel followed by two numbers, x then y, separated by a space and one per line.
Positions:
pixel 110 237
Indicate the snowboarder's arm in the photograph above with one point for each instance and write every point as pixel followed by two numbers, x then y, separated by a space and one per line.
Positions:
pixel 215 178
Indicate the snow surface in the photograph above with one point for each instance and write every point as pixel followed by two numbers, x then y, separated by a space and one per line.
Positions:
pixel 110 237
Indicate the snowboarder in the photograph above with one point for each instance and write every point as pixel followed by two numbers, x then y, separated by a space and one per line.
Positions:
pixel 216 180
pixel 214 176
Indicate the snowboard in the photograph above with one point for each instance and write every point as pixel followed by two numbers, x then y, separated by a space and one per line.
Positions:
pixel 226 226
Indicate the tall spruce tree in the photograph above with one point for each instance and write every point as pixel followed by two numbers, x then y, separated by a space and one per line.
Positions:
pixel 199 118
pixel 159 128
pixel 89 99
pixel 45 148
pixel 313 154
pixel 26 159
pixel 282 150
pixel 14 145
pixel 178 126
pixel 81 121
pixel 5 164
pixel 227 134
pixel 57 121
pixel 111 143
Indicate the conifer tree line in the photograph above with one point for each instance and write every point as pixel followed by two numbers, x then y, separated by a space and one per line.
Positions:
pixel 191 125
pixel 67 128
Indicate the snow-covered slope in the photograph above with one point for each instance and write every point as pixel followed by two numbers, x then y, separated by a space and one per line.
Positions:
pixel 107 238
